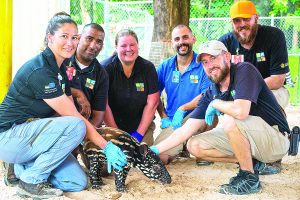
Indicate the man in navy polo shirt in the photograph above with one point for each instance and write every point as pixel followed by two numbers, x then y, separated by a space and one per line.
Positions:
pixel 89 81
pixel 254 126
pixel 265 48
pixel 183 81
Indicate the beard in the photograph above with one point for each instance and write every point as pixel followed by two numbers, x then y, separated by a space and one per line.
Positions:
pixel 251 37
pixel 224 72
pixel 185 53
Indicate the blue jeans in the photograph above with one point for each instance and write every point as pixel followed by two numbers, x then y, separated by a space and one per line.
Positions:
pixel 41 151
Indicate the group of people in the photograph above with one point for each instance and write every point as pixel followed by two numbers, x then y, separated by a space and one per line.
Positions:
pixel 63 94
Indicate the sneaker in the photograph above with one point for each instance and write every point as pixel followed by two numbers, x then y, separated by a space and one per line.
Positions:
pixel 267 168
pixel 200 162
pixel 39 191
pixel 244 183
pixel 10 178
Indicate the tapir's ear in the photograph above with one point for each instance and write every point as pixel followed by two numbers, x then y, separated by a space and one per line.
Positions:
pixel 143 149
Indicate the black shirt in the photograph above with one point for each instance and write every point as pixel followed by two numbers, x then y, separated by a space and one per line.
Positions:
pixel 127 97
pixel 246 83
pixel 38 79
pixel 92 81
pixel 268 53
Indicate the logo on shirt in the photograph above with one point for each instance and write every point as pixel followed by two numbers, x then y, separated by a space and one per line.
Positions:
pixel 194 79
pixel 63 87
pixel 232 92
pixel 282 65
pixel 90 83
pixel 175 76
pixel 235 59
pixel 140 87
pixel 260 57
pixel 50 88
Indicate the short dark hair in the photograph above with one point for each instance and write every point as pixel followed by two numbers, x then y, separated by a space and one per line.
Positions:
pixel 94 26
pixel 183 26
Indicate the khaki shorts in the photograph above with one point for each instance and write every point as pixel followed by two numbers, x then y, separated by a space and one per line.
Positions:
pixel 266 142
pixel 282 96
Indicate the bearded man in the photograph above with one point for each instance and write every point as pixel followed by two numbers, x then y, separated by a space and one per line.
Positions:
pixel 254 126
pixel 183 80
pixel 263 46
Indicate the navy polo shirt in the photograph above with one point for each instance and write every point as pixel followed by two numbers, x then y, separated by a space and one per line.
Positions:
pixel 92 81
pixel 38 79
pixel 268 53
pixel 127 97
pixel 246 83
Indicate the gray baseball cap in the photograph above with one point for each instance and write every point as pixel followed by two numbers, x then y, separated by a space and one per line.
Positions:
pixel 213 47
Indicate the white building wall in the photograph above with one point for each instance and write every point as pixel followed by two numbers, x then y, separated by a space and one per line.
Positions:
pixel 30 19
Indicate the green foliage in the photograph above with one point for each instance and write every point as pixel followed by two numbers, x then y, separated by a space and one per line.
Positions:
pixel 294 65
pixel 280 7
pixel 75 11
pixel 210 8
pixel 285 8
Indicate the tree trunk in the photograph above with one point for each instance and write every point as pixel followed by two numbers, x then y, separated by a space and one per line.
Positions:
pixel 167 14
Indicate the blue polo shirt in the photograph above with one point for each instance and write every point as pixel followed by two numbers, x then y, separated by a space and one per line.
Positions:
pixel 181 88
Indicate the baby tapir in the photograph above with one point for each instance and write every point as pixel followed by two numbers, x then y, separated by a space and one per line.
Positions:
pixel 138 155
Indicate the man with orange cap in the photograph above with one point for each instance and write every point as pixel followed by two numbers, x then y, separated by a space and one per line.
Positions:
pixel 264 47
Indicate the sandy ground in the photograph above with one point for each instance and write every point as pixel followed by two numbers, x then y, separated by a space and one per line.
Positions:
pixel 193 182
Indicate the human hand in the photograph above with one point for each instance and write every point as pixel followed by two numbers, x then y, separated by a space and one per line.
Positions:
pixel 165 122
pixel 115 157
pixel 154 149
pixel 210 114
pixel 85 107
pixel 137 136
pixel 178 118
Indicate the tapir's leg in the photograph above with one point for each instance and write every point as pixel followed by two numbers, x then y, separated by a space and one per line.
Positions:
pixel 120 178
pixel 96 164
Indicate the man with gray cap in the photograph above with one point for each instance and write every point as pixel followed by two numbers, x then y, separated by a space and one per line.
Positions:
pixel 254 126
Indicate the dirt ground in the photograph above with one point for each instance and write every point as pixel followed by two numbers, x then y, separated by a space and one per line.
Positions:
pixel 193 182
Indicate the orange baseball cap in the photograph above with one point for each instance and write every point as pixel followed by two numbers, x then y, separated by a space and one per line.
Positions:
pixel 244 9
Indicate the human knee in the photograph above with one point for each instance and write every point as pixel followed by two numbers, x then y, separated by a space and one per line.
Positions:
pixel 73 186
pixel 194 147
pixel 80 185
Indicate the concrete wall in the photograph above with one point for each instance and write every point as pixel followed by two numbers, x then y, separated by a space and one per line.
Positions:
pixel 30 18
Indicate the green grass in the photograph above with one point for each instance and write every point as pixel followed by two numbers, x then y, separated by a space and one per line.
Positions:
pixel 294 65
